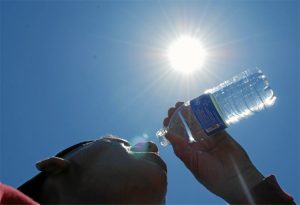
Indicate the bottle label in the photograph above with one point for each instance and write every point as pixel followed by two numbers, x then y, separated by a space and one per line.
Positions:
pixel 207 114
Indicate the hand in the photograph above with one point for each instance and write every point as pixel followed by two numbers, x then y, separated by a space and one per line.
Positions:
pixel 218 162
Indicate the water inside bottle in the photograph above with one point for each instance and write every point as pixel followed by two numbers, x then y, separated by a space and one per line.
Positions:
pixel 243 95
pixel 234 99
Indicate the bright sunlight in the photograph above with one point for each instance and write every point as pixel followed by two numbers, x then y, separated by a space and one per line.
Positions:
pixel 186 54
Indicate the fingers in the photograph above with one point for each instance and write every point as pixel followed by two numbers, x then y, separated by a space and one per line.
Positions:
pixel 208 143
pixel 167 119
pixel 178 104
pixel 176 140
pixel 171 111
pixel 166 122
pixel 198 161
pixel 180 146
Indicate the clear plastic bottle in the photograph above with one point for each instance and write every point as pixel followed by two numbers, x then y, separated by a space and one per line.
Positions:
pixel 219 107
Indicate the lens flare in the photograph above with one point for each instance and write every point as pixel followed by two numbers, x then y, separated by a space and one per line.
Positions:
pixel 139 142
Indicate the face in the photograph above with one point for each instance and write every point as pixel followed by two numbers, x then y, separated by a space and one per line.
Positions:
pixel 110 170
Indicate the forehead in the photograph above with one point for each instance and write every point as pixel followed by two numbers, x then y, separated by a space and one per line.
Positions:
pixel 112 138
pixel 82 145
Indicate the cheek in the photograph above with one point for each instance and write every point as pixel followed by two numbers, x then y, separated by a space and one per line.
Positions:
pixel 151 175
pixel 142 174
pixel 151 184
pixel 127 181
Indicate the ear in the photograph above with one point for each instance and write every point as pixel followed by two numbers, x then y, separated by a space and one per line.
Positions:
pixel 52 164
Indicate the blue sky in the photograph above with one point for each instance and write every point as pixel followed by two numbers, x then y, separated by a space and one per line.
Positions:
pixel 77 70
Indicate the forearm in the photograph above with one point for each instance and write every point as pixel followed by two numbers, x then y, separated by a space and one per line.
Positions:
pixel 267 191
pixel 239 187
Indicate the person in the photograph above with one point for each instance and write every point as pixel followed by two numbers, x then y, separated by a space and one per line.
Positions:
pixel 224 168
pixel 105 171
pixel 111 171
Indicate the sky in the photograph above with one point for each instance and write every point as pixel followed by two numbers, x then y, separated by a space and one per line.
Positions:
pixel 78 70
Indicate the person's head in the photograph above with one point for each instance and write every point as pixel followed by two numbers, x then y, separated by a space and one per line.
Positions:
pixel 107 170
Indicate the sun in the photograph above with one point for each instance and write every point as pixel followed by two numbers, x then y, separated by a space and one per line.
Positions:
pixel 186 54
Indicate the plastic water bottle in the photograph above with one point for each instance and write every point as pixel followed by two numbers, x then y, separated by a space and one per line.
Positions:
pixel 219 107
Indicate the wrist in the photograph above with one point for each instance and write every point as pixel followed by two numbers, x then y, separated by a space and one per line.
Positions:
pixel 239 189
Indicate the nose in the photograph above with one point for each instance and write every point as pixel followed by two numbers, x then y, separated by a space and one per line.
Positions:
pixel 145 147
